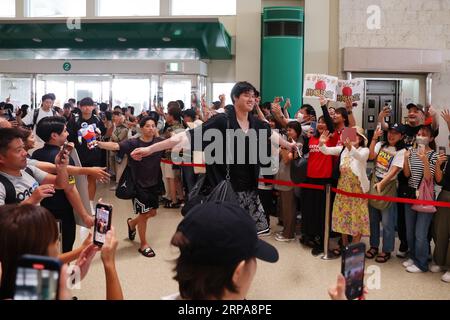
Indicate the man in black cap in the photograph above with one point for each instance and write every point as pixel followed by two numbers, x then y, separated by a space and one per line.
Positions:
pixel 218 246
pixel 88 157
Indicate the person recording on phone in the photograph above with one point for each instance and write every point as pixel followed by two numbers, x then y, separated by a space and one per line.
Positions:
pixel 350 215
pixel 419 167
pixel 52 130
pixel 30 229
pixel 441 221
pixel 23 183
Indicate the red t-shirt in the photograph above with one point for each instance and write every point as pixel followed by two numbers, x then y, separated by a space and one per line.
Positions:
pixel 320 166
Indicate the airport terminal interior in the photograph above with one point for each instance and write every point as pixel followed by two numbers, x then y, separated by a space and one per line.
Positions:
pixel 387 54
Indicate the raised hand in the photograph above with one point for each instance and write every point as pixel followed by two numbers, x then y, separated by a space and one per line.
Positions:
pixel 324 137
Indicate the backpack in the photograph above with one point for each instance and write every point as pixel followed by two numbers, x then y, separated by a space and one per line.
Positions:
pixel 36 115
pixel 10 191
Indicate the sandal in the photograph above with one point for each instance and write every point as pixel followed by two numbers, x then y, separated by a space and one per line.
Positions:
pixel 371 253
pixel 147 252
pixel 131 233
pixel 383 257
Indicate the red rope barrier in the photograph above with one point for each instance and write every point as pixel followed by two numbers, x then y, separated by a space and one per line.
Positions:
pixel 335 190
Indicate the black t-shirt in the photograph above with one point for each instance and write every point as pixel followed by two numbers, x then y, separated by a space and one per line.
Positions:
pixel 410 135
pixel 147 171
pixel 88 157
pixel 243 176
pixel 59 202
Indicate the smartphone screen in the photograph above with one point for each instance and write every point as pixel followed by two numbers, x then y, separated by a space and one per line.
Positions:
pixel 314 127
pixel 103 214
pixel 442 150
pixel 421 148
pixel 59 224
pixel 37 278
pixel 352 269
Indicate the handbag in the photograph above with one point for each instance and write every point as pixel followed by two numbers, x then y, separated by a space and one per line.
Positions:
pixel 221 192
pixel 389 191
pixel 126 189
pixel 298 170
pixel 425 192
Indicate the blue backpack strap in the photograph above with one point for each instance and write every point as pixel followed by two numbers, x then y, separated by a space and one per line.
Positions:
pixel 10 191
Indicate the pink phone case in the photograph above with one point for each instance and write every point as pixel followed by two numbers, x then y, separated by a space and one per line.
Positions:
pixel 348 133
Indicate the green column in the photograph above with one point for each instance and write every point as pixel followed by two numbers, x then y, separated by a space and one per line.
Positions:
pixel 282 54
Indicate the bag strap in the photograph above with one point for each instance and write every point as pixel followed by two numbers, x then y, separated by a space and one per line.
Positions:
pixel 10 191
pixel 429 159
pixel 29 171
pixel 227 177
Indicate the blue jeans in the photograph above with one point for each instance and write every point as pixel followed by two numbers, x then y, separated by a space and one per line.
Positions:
pixel 189 177
pixel 417 225
pixel 387 217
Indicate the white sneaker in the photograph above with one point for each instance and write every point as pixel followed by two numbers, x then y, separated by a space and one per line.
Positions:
pixel 446 277
pixel 408 263
pixel 283 239
pixel 265 233
pixel 413 269
pixel 435 268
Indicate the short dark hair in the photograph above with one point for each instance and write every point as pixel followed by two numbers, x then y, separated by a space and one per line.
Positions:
pixel 144 120
pixel 25 132
pixel 103 106
pixel 117 113
pixel 72 100
pixel 201 282
pixel 309 109
pixel 266 105
pixel 67 106
pixel 25 229
pixel 216 105
pixel 6 136
pixel 174 110
pixel 189 113
pixel 87 102
pixel 50 96
pixel 48 125
pixel 131 108
pixel 240 88
pixel 118 107
pixel 181 104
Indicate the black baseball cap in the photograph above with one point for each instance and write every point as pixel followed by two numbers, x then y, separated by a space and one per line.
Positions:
pixel 400 128
pixel 87 102
pixel 222 233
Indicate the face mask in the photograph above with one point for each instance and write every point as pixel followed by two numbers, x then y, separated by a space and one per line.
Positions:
pixel 300 117
pixel 423 140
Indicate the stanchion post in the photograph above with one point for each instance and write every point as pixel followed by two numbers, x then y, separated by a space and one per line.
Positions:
pixel 326 239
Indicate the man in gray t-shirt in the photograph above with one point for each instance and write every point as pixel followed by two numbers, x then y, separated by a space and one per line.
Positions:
pixel 30 183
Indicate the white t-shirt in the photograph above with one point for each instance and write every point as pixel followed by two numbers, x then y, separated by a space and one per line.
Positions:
pixel 24 185
pixel 28 120
pixel 387 158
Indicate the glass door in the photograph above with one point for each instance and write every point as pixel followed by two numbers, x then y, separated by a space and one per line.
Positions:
pixel 131 91
pixel 176 88
pixel 17 89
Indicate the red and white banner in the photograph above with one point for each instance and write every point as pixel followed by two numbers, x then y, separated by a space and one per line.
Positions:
pixel 318 85
pixel 350 89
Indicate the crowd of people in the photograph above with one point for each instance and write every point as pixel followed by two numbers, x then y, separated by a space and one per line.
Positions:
pixel 39 170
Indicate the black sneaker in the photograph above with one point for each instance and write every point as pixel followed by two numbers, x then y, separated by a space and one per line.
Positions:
pixel 317 251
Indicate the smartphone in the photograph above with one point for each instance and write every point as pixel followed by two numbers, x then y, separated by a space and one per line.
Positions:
pixel 59 224
pixel 421 148
pixel 299 147
pixel 68 146
pixel 103 215
pixel 379 126
pixel 348 133
pixel 442 150
pixel 352 268
pixel 313 127
pixel 37 278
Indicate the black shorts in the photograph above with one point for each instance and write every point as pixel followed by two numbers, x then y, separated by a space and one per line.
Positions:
pixel 146 199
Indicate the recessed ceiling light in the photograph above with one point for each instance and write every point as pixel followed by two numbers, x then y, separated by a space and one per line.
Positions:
pixel 121 39
pixel 37 40
pixel 166 39
pixel 79 39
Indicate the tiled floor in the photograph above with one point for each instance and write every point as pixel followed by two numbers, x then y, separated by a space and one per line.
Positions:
pixel 297 275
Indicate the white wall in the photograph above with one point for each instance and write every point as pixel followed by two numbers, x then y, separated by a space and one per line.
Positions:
pixel 421 24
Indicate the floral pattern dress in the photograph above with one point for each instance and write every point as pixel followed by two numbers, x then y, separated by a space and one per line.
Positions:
pixel 350 215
